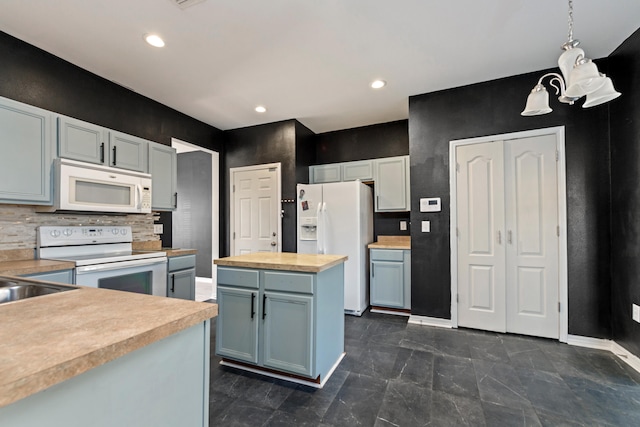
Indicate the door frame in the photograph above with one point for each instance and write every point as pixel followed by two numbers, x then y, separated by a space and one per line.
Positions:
pixel 277 208
pixel 184 147
pixel 563 281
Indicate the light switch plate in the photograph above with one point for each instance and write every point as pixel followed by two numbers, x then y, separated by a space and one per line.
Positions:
pixel 426 226
pixel 158 228
pixel 636 312
pixel 403 225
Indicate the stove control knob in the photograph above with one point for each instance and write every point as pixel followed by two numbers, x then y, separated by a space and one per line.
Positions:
pixel 55 233
pixel 123 231
pixel 114 230
pixel 67 232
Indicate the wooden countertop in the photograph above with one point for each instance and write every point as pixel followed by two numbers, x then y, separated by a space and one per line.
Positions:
pixel 391 242
pixel 283 261
pixel 51 338
pixel 32 266
pixel 171 252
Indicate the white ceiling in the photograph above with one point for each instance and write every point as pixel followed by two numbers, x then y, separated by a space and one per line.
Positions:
pixel 312 60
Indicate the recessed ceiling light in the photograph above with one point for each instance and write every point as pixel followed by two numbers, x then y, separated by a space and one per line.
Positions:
pixel 154 40
pixel 261 109
pixel 377 84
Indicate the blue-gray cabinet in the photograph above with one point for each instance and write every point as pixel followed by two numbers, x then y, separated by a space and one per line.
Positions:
pixel 87 142
pixel 284 321
pixel 27 149
pixel 60 276
pixel 181 277
pixel 163 167
pixel 390 278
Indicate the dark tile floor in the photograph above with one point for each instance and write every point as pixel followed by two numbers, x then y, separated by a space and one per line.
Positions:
pixel 396 374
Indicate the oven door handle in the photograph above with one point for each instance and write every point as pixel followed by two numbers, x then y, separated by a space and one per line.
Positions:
pixel 120 264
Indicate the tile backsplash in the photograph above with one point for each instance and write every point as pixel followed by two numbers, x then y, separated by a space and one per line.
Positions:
pixel 18 224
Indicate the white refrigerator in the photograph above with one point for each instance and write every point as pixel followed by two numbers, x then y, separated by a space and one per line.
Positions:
pixel 337 218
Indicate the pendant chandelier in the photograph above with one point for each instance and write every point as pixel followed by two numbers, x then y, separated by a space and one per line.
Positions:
pixel 580 77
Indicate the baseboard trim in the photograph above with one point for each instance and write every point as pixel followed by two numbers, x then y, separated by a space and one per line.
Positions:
pixel 430 321
pixel 602 344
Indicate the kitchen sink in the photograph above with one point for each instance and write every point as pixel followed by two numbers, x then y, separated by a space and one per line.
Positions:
pixel 15 290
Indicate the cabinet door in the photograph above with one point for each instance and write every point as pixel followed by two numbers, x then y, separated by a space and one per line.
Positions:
pixel 26 141
pixel 391 184
pixel 164 182
pixel 325 173
pixel 288 332
pixel 362 170
pixel 182 284
pixel 127 151
pixel 78 140
pixel 237 324
pixel 60 276
pixel 387 284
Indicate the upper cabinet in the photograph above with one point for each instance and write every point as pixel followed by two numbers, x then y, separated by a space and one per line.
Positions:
pixel 362 170
pixel 27 144
pixel 390 176
pixel 322 174
pixel 392 184
pixel 163 167
pixel 90 143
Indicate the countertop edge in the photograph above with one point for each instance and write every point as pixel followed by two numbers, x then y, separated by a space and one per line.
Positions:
pixel 279 266
pixel 388 246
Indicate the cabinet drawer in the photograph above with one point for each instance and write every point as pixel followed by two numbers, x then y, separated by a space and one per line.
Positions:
pixel 181 262
pixel 387 254
pixel 288 282
pixel 238 277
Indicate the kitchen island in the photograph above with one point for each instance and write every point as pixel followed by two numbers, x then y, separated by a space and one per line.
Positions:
pixel 102 358
pixel 282 314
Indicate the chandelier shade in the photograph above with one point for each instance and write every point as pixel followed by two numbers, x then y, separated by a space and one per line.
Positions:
pixel 537 102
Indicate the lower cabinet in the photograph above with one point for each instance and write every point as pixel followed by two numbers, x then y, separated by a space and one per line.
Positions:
pixel 390 278
pixel 181 277
pixel 60 276
pixel 290 322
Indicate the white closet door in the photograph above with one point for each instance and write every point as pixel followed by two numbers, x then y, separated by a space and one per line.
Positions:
pixel 481 240
pixel 531 192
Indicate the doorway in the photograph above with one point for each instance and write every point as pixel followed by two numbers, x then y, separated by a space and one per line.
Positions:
pixel 508 233
pixel 195 221
pixel 255 209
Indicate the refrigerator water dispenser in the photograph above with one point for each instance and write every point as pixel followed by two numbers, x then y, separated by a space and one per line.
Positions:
pixel 309 228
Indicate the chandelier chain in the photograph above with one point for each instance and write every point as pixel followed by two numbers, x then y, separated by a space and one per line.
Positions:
pixel 570 35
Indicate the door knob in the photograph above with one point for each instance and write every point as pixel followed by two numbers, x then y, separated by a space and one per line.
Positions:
pixel 273 243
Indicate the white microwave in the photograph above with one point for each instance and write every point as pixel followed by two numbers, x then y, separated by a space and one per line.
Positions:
pixel 85 187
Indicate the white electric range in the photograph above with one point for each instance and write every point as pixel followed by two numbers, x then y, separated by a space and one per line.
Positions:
pixel 104 258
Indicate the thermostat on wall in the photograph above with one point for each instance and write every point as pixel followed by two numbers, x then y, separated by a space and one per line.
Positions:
pixel 430 204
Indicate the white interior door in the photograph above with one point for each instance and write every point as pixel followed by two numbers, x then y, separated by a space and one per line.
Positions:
pixel 531 188
pixel 255 209
pixel 481 249
pixel 508 256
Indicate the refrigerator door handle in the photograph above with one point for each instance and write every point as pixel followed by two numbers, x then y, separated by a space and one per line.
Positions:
pixel 324 228
pixel 319 228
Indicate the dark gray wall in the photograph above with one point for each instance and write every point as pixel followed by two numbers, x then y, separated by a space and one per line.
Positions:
pixel 363 143
pixel 192 218
pixel 35 77
pixel 494 108
pixel 271 143
pixel 625 192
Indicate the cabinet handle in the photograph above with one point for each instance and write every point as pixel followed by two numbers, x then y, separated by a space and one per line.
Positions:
pixel 253 298
pixel 373 270
pixel 175 197
pixel 509 239
pixel 264 303
pixel 114 156
pixel 499 237
pixel 102 153
pixel 173 283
